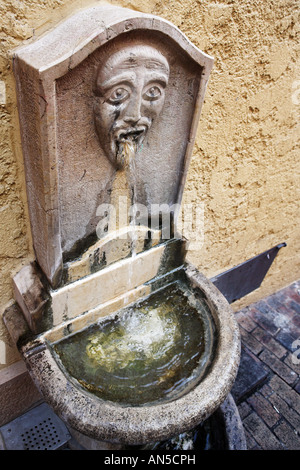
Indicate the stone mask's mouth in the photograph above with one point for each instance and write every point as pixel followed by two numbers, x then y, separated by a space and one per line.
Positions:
pixel 127 143
pixel 132 134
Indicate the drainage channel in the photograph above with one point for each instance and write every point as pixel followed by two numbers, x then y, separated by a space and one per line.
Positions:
pixel 37 429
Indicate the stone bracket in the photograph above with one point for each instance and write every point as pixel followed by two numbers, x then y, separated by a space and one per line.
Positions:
pixel 30 294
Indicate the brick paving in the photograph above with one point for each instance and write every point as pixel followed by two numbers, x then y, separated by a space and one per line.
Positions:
pixel 267 389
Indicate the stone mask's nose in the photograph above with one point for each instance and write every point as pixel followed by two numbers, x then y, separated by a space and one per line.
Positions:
pixel 132 112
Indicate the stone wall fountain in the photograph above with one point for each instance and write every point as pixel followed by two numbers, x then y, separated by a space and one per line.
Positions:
pixel 124 338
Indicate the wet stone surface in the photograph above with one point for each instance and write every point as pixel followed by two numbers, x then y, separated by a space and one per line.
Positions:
pixel 156 349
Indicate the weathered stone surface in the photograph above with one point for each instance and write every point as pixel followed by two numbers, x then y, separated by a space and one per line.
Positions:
pixel 233 424
pixel 252 115
pixel 114 98
pixel 109 422
pixel 114 247
pixel 73 175
pixel 15 322
pixel 107 284
pixel 30 294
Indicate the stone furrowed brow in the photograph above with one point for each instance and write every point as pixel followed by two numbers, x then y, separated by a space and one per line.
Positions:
pixel 122 78
pixel 154 64
pixel 158 77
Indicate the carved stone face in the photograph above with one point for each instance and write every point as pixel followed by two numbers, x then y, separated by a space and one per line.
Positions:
pixel 130 92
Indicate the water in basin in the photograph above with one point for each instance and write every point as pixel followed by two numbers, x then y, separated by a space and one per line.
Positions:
pixel 154 350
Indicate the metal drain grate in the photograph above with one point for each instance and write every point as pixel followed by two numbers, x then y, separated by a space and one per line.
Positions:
pixel 43 436
pixel 38 429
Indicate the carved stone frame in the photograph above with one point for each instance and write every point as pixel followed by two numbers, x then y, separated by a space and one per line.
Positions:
pixel 37 66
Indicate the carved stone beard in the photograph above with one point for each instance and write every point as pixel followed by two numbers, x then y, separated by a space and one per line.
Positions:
pixel 126 151
pixel 128 141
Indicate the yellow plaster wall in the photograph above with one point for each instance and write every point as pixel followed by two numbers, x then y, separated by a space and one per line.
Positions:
pixel 245 166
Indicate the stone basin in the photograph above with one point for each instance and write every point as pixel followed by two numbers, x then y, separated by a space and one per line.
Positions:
pixel 105 422
pixel 155 350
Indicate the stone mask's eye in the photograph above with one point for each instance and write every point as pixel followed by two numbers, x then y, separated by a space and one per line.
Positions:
pixel 118 95
pixel 152 93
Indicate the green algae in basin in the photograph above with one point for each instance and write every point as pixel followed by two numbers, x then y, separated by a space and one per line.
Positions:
pixel 154 350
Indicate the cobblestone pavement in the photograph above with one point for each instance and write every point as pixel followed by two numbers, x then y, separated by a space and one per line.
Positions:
pixel 267 389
